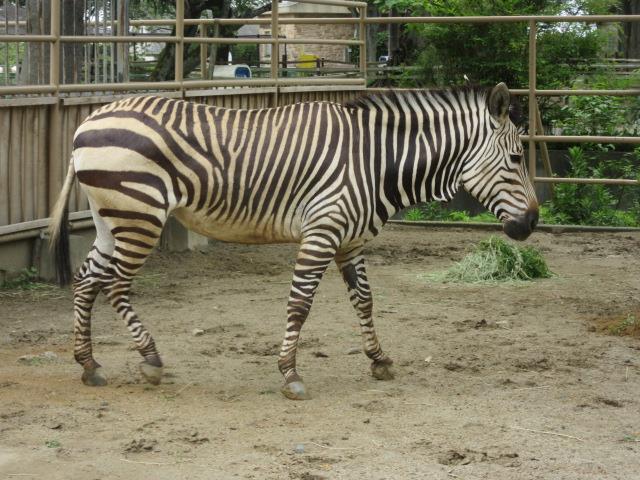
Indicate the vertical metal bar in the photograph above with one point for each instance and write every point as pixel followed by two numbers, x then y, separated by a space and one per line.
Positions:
pixel 6 45
pixel 532 99
pixel 203 52
pixel 180 42
pixel 96 65
pixel 55 128
pixel 123 48
pixel 112 46
pixel 362 36
pixel 105 70
pixel 54 46
pixel 85 46
pixel 544 151
pixel 275 36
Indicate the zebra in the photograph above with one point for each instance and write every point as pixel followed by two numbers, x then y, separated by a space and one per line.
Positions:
pixel 325 175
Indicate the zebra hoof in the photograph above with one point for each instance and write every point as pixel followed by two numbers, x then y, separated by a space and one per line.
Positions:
pixel 94 377
pixel 382 370
pixel 295 391
pixel 151 373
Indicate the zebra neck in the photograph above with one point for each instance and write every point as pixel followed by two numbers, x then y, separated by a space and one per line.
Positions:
pixel 417 164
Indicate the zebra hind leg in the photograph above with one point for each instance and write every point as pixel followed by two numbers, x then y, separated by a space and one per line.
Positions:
pixel 86 286
pixel 314 257
pixel 351 265
pixel 130 252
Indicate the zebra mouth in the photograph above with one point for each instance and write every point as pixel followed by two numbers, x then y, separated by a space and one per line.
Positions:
pixel 520 227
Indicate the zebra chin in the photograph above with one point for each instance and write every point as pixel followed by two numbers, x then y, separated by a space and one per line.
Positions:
pixel 519 228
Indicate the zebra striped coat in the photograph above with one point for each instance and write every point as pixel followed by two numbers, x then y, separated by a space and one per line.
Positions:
pixel 325 175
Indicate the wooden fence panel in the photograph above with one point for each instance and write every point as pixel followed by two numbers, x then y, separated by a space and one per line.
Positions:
pixel 31 175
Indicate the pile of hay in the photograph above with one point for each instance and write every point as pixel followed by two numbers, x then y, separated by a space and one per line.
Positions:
pixel 495 260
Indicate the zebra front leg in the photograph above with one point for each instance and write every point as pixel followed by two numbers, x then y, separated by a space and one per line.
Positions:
pixel 314 257
pixel 351 265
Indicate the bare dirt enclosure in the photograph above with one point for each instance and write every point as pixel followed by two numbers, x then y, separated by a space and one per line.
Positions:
pixel 511 381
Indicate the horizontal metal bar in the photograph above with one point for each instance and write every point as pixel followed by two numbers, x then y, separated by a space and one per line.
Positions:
pixel 222 92
pixel 228 82
pixel 112 87
pixel 291 41
pixel 601 181
pixel 507 19
pixel 319 41
pixel 27 38
pixel 26 89
pixel 582 139
pixel 118 39
pixel 221 40
pixel 327 88
pixel 322 81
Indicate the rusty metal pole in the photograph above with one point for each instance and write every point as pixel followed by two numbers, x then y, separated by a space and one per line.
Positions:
pixel 54 131
pixel 532 100
pixel 275 46
pixel 179 44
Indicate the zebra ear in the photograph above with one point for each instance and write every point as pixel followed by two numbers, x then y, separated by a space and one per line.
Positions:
pixel 499 101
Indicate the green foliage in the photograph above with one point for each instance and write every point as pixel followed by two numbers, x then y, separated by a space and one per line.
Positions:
pixel 493 52
pixel 52 444
pixel 496 260
pixel 434 211
pixel 591 115
pixel 27 280
pixel 584 204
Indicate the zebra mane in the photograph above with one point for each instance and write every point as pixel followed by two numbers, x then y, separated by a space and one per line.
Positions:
pixel 366 102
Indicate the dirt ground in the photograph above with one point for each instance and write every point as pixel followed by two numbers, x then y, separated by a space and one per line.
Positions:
pixel 495 382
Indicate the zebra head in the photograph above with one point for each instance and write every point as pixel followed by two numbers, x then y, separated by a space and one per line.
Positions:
pixel 496 174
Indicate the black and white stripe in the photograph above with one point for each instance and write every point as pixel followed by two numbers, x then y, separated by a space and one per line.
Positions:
pixel 324 175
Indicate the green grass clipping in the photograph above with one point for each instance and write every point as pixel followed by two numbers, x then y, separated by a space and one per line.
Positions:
pixel 496 260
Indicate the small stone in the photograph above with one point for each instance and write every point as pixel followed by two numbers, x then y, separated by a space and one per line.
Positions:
pixel 197 332
pixel 354 351
pixel 49 356
pixel 320 355
pixel 299 448
pixel 428 359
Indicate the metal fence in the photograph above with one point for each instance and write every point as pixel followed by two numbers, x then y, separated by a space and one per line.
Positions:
pixel 37 121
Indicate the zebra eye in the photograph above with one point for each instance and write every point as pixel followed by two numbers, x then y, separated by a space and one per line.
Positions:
pixel 516 158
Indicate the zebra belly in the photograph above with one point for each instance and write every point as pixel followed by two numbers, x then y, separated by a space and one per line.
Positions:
pixel 239 232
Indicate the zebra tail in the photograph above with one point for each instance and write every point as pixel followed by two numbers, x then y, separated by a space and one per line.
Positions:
pixel 59 231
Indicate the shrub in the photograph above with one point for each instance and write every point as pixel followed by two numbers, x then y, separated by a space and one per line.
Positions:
pixel 586 204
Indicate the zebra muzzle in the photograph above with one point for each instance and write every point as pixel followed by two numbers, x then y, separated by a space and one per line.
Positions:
pixel 519 228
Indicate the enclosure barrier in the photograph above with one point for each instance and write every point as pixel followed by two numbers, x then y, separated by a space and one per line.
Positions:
pixel 56 112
